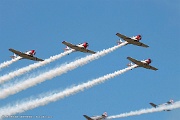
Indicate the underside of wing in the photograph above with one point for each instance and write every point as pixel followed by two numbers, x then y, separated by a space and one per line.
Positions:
pixel 152 104
pixel 145 65
pixel 89 51
pixel 122 36
pixel 138 43
pixel 168 102
pixel 134 61
pixel 82 49
pixel 37 59
pixel 87 117
pixel 168 110
pixel 31 57
pixel 16 52
pixel 153 68
pixel 69 45
pixel 144 45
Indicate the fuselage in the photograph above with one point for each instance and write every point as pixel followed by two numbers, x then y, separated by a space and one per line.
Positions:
pixel 137 38
pixel 148 61
pixel 83 45
pixel 31 52
pixel 98 118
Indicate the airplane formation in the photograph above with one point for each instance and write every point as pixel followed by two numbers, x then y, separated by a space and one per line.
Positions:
pixel 82 47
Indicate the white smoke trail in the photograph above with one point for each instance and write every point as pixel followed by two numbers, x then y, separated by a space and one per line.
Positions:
pixel 7 63
pixel 31 104
pixel 23 70
pixel 22 85
pixel 148 110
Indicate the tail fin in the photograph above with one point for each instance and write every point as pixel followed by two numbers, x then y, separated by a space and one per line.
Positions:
pixel 13 56
pixel 152 104
pixel 130 64
pixel 119 41
pixel 67 48
pixel 104 114
pixel 170 101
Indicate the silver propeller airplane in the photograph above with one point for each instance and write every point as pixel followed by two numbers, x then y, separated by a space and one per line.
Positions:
pixel 131 40
pixel 27 55
pixel 143 63
pixel 80 47
pixel 102 117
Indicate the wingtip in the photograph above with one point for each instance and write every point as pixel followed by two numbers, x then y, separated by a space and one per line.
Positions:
pixel 155 69
pixel 10 49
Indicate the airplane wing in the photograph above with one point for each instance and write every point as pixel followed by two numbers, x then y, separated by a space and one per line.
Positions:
pixel 154 105
pixel 131 41
pixel 168 110
pixel 87 117
pixel 16 52
pixel 78 48
pixel 122 36
pixel 33 58
pixel 138 43
pixel 134 61
pixel 147 66
pixel 69 45
pixel 152 68
pixel 88 51
pixel 23 55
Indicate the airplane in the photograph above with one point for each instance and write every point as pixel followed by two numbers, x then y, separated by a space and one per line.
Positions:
pixel 143 63
pixel 131 40
pixel 27 55
pixel 102 117
pixel 170 102
pixel 82 47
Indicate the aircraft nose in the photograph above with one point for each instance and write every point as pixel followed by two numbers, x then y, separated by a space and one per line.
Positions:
pixel 33 52
pixel 86 44
pixel 149 60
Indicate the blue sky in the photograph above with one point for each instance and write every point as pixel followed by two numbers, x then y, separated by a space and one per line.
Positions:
pixel 43 24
